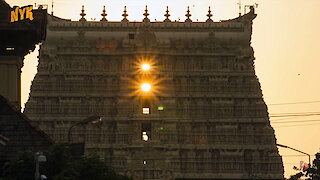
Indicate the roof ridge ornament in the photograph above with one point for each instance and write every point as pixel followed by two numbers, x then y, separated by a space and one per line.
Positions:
pixel 209 15
pixel 167 15
pixel 125 15
pixel 146 14
pixel 82 14
pixel 104 14
pixel 188 15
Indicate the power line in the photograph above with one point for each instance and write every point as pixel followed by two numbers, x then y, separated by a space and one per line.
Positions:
pixel 313 120
pixel 294 115
pixel 290 113
pixel 296 125
pixel 296 155
pixel 306 102
pixel 284 119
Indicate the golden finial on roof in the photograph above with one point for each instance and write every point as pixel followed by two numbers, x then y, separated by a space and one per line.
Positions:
pixel 82 14
pixel 188 15
pixel 146 14
pixel 125 15
pixel 167 15
pixel 104 14
pixel 209 15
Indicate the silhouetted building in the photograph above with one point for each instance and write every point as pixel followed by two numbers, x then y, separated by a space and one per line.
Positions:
pixel 200 114
pixel 17 133
pixel 20 30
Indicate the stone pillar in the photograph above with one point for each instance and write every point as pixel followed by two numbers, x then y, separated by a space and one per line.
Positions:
pixel 10 79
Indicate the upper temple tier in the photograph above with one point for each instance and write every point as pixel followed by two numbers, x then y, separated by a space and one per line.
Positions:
pixel 178 100
pixel 148 35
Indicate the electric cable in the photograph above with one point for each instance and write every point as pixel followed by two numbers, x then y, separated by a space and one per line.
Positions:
pixel 284 119
pixel 296 125
pixel 311 120
pixel 306 102
pixel 293 115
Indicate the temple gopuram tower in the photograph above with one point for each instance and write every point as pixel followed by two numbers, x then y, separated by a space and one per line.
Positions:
pixel 179 100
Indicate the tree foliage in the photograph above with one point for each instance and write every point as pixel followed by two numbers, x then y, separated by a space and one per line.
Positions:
pixel 312 173
pixel 60 165
pixel 21 167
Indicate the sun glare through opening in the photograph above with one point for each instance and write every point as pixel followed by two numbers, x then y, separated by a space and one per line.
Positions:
pixel 146 87
pixel 145 67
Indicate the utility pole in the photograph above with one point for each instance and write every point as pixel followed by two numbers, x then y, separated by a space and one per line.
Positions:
pixel 39 157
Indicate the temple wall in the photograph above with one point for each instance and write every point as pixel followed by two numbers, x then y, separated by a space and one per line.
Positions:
pixel 214 124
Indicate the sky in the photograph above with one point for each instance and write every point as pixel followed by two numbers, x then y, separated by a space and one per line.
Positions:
pixel 286 44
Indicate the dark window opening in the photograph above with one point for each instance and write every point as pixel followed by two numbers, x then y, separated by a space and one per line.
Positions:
pixel 131 36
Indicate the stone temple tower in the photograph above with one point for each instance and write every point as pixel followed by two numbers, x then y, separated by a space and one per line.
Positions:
pixel 179 100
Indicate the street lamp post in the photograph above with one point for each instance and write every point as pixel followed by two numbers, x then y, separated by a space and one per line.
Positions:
pixel 39 157
pixel 91 119
pixel 280 145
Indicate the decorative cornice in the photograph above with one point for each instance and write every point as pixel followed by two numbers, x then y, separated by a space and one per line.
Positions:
pixel 104 19
pixel 167 15
pixel 82 14
pixel 188 15
pixel 209 15
pixel 125 15
pixel 146 14
pixel 246 17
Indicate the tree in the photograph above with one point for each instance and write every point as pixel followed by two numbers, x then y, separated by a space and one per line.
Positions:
pixel 60 165
pixel 21 167
pixel 313 172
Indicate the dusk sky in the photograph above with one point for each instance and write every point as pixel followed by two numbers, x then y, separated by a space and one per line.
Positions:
pixel 286 36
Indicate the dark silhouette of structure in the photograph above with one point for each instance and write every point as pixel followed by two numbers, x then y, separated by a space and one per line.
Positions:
pixel 180 100
pixel 18 37
pixel 18 133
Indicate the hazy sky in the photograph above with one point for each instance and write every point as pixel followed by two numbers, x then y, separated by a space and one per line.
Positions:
pixel 286 36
